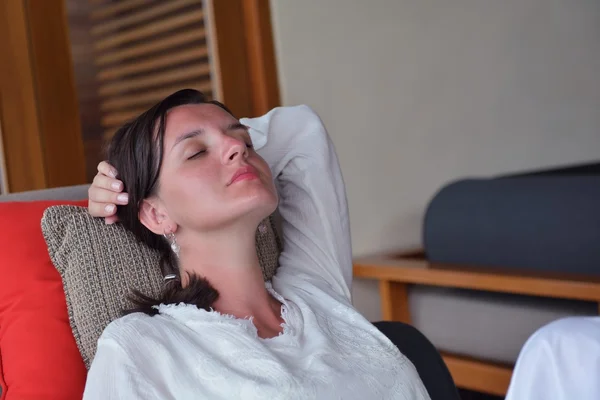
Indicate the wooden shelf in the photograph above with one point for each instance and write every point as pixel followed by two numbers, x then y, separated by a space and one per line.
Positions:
pixel 478 375
pixel 415 269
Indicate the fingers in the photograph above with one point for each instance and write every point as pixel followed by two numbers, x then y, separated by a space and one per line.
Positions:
pixel 104 182
pixel 105 193
pixel 107 169
pixel 111 220
pixel 101 209
pixel 97 194
pixel 102 191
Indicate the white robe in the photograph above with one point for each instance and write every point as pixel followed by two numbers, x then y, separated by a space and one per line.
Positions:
pixel 561 361
pixel 327 349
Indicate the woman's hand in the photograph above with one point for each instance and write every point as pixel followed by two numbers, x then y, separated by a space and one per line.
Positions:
pixel 105 193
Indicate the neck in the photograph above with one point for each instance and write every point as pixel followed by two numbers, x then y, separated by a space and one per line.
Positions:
pixel 228 260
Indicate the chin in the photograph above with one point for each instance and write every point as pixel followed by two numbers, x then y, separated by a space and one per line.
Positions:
pixel 262 204
pixel 255 200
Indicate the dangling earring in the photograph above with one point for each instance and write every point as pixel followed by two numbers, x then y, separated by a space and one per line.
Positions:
pixel 262 227
pixel 170 236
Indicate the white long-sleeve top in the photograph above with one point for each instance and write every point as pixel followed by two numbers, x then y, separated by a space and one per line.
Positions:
pixel 327 350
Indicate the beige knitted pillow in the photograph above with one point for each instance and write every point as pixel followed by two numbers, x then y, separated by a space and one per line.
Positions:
pixel 100 264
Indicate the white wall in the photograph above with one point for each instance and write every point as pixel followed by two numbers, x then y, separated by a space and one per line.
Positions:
pixel 416 93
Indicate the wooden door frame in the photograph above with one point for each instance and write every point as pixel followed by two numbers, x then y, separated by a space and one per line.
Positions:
pixel 3 177
pixel 243 55
pixel 40 119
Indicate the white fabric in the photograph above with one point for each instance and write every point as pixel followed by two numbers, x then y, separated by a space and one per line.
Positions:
pixel 327 349
pixel 561 361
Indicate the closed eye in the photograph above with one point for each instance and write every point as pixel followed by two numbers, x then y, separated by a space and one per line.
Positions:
pixel 196 155
pixel 246 138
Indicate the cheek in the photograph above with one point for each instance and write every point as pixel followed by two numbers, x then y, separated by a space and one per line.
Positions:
pixel 259 163
pixel 192 191
pixel 267 177
pixel 190 179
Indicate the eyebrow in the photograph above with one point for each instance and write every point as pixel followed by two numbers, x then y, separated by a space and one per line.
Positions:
pixel 188 135
pixel 231 127
pixel 236 125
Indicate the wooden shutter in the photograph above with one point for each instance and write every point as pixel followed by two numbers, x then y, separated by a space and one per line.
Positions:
pixel 41 131
pixel 145 50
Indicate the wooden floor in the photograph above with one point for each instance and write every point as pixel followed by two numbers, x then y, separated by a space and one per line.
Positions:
pixel 470 395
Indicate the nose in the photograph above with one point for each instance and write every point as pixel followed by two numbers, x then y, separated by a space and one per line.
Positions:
pixel 234 149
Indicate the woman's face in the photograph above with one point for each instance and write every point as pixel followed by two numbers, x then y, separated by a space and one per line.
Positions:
pixel 211 177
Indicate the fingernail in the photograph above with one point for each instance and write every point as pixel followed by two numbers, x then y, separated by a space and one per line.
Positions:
pixel 123 198
pixel 109 208
pixel 112 173
pixel 116 185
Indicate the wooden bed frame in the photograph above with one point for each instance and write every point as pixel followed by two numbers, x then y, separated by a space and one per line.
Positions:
pixel 396 271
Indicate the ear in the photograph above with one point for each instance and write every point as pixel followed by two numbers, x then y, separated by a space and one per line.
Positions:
pixel 155 218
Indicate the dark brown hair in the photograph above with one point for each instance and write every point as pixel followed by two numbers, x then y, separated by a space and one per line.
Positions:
pixel 136 151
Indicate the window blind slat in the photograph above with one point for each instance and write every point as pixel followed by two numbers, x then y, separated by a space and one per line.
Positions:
pixel 153 63
pixel 150 29
pixel 146 14
pixel 116 8
pixel 151 97
pixel 152 47
pixel 161 78
pixel 120 117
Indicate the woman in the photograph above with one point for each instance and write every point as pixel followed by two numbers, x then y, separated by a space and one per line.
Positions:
pixel 197 191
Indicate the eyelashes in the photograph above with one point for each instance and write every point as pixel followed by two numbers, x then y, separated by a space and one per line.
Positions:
pixel 196 155
pixel 202 152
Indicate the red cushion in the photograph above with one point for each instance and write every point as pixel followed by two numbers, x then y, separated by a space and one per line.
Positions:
pixel 40 359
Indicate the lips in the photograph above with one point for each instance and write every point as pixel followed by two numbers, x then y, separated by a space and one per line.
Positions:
pixel 244 173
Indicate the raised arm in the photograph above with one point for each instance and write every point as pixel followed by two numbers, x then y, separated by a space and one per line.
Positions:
pixel 313 204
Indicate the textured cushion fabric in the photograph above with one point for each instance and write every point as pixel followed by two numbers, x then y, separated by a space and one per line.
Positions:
pixel 546 222
pixel 40 359
pixel 100 264
pixel 488 326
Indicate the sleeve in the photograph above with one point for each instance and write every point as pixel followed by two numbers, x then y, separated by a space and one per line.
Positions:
pixel 113 376
pixel 313 205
